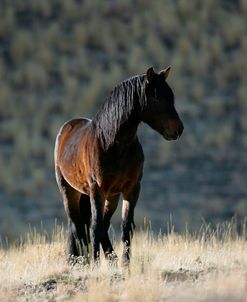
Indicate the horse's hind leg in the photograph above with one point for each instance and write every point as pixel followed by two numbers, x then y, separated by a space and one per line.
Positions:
pixel 71 200
pixel 73 244
pixel 85 212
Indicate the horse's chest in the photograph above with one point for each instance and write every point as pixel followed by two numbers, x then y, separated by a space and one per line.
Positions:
pixel 121 173
pixel 120 182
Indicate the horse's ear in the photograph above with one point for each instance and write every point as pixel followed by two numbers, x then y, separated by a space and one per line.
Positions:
pixel 150 74
pixel 165 72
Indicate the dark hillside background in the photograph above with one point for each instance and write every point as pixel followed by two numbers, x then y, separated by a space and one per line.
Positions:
pixel 60 58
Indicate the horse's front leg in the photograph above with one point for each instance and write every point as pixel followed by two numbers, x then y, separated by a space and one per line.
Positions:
pixel 128 225
pixel 97 207
pixel 110 206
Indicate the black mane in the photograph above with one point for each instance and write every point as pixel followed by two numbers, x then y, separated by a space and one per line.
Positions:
pixel 118 107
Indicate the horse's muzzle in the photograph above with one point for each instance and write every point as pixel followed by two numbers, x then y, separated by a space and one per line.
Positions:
pixel 174 131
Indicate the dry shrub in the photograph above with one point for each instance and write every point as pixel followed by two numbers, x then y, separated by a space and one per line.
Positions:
pixel 79 35
pixel 43 8
pixel 7 105
pixel 70 10
pixel 45 57
pixel 164 152
pixel 192 31
pixel 91 93
pixel 7 21
pixel 197 92
pixel 186 9
pixel 233 29
pixel 72 86
pixel 215 105
pixel 52 35
pixel 23 46
pixel 136 57
pixel 179 86
pixel 242 95
pixel 31 76
pixel 185 46
pixel 216 51
pixel 220 136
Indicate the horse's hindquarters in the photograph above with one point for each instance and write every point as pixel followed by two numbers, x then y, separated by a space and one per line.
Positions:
pixel 69 153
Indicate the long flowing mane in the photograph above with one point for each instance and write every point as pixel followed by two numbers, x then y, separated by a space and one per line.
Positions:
pixel 118 107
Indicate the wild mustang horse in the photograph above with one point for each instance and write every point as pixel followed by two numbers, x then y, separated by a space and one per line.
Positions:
pixel 98 160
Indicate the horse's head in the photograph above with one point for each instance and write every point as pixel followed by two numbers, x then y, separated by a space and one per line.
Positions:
pixel 159 112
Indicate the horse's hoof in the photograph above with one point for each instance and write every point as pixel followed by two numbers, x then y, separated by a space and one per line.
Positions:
pixel 77 260
pixel 125 261
pixel 112 258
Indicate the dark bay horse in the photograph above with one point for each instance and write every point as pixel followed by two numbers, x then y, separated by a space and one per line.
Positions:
pixel 97 160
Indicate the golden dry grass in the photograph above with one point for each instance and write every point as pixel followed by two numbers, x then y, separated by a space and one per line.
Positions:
pixel 210 266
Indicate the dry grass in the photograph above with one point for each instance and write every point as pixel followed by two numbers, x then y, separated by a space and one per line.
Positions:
pixel 210 266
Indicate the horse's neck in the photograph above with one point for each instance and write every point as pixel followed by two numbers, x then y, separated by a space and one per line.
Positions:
pixel 118 119
pixel 127 132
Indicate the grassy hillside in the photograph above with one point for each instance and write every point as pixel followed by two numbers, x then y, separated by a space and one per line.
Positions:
pixel 59 59
pixel 210 266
